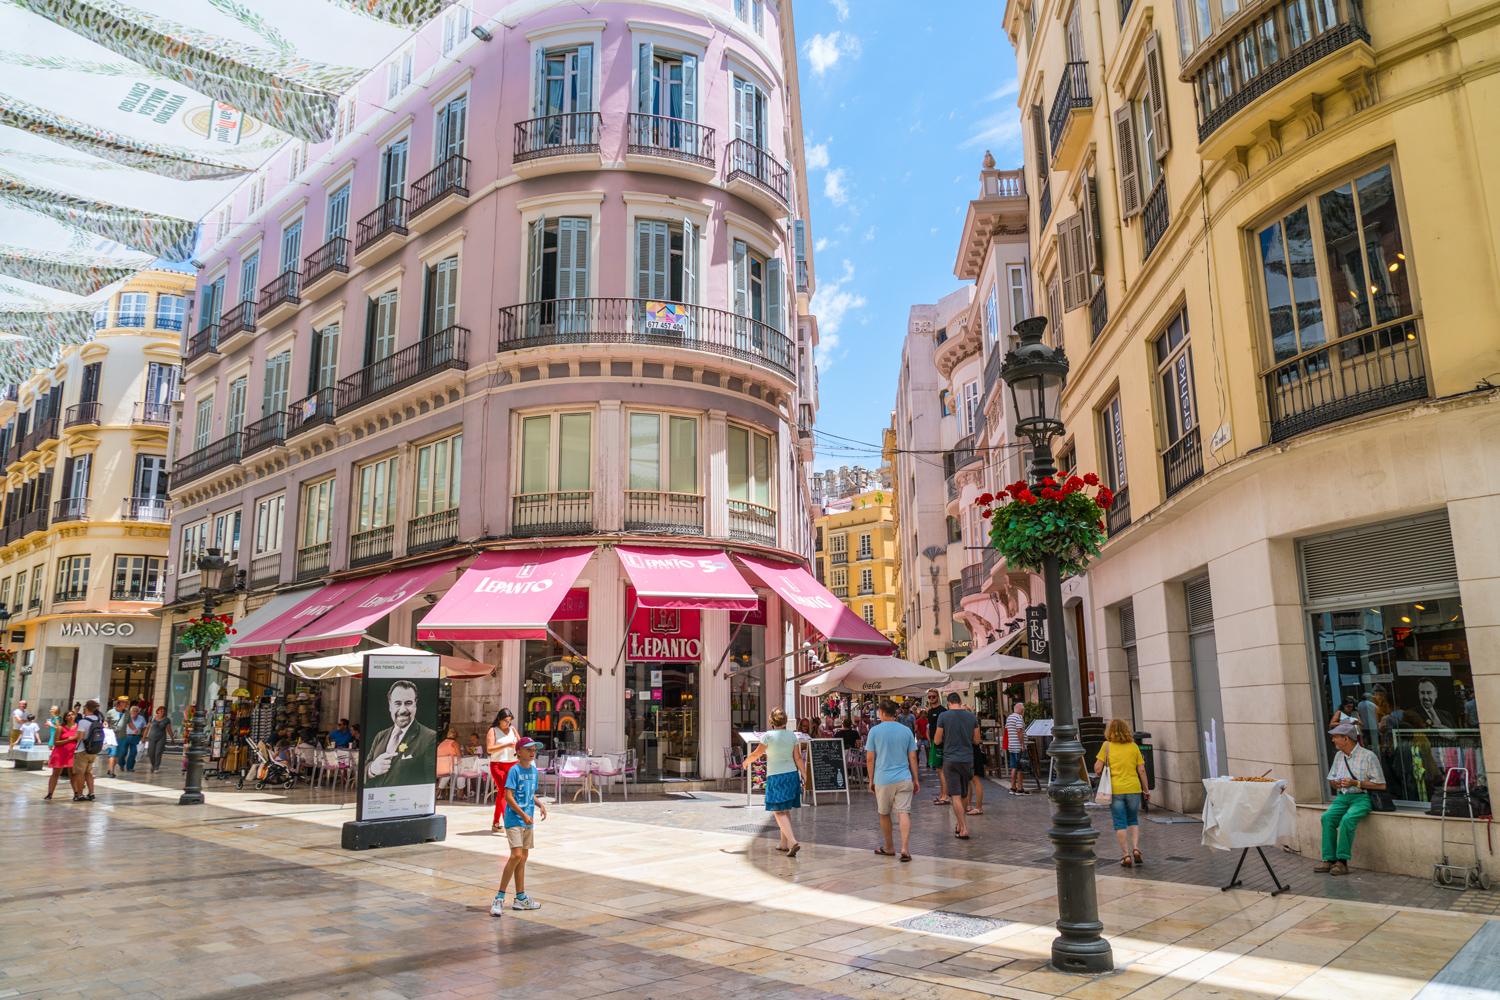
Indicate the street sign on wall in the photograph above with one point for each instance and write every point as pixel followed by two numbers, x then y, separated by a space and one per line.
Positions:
pixel 1036 632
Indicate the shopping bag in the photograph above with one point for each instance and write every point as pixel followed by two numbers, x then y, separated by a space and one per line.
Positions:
pixel 1104 793
pixel 110 739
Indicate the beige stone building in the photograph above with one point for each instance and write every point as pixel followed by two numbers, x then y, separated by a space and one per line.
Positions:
pixel 1265 241
pixel 85 521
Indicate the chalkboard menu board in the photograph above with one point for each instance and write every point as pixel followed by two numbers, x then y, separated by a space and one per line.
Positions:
pixel 828 773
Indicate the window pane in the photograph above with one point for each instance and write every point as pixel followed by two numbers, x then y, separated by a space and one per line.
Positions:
pixel 454 476
pixel 1303 267
pixel 1278 293
pixel 645 451
pixel 684 442
pixel 1346 266
pixel 739 463
pixel 573 451
pixel 762 470
pixel 536 450
pixel 1380 220
pixel 424 480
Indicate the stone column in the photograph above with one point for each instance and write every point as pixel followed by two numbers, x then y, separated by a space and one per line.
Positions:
pixel 1476 547
pixel 713 695
pixel 605 708
pixel 1111 668
pixel 1167 707
pixel 716 468
pixel 611 449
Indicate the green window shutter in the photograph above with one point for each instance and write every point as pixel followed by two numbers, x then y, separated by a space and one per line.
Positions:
pixel 775 295
pixel 645 63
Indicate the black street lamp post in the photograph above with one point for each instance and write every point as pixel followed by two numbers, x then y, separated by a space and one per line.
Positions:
pixel 211 562
pixel 1035 374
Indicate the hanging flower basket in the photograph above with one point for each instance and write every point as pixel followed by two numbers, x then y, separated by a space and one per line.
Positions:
pixel 1059 518
pixel 5 659
pixel 206 633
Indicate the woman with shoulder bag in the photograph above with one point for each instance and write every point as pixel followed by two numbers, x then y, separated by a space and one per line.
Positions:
pixel 1126 787
pixel 500 745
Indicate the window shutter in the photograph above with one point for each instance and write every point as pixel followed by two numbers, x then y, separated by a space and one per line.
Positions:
pixel 585 101
pixel 1396 561
pixel 372 310
pixel 775 294
pixel 572 258
pixel 690 95
pixel 534 280
pixel 645 63
pixel 1039 142
pixel 1200 605
pixel 661 258
pixel 644 288
pixel 741 278
pixel 1093 247
pixel 1156 93
pixel 689 261
pixel 1127 624
pixel 1071 257
pixel 67 486
pixel 799 238
pixel 539 83
pixel 1130 182
pixel 429 303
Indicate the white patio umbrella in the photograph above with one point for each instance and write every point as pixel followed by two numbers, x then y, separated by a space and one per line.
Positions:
pixel 989 664
pixel 870 674
pixel 351 663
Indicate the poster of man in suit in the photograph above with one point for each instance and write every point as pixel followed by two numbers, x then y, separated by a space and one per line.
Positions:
pixel 398 764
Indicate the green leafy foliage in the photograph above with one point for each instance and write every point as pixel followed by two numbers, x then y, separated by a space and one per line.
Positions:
pixel 1029 523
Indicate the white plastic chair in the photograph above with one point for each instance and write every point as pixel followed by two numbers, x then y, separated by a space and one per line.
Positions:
pixel 469 772
pixel 610 766
pixel 575 770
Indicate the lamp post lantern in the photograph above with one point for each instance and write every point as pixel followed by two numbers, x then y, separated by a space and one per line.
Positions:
pixel 212 561
pixel 1035 374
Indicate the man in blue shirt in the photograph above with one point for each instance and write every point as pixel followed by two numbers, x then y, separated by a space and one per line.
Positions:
pixel 520 823
pixel 342 736
pixel 891 762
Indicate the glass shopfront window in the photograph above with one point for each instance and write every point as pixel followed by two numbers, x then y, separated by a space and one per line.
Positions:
pixel 184 676
pixel 747 674
pixel 664 653
pixel 1407 668
pixel 554 687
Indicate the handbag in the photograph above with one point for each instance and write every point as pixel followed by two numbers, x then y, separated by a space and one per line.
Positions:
pixel 1105 792
pixel 1381 800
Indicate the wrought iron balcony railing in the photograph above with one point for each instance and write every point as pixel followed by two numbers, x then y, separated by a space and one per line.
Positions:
pixel 752 522
pixel 1154 216
pixel 641 321
pixel 328 258
pixel 568 512
pixel 971 579
pixel 1072 95
pixel 675 138
pixel 449 177
pixel 745 159
pixel 1350 376
pixel 966 452
pixel 70 595
pixel 664 512
pixel 1182 462
pixel 267 432
pixel 211 457
pixel 44 430
pixel 239 319
pixel 372 545
pixel 839 558
pixel 70 509
pixel 1044 204
pixel 1117 518
pixel 265 569
pixel 204 342
pixel 284 289
pixel 1098 313
pixel 154 414
pixel 441 351
pixel 431 531
pixel 558 135
pixel 389 218
pixel 139 592
pixel 81 414
pixel 312 560
pixel 145 509
pixel 310 411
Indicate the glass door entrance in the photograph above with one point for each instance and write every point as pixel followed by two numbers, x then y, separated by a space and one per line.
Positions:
pixel 661 719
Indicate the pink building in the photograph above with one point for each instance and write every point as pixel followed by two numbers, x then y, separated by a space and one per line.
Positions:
pixel 547 286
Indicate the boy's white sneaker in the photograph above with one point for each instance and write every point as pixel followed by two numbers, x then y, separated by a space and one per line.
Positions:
pixel 497 908
pixel 525 903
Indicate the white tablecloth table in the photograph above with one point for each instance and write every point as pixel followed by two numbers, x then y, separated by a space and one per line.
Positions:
pixel 1241 815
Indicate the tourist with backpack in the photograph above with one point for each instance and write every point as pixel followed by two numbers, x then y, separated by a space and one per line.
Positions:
pixel 91 730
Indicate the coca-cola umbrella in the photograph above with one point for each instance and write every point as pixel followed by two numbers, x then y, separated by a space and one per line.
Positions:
pixel 870 674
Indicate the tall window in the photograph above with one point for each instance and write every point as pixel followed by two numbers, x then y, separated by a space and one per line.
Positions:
pixel 132 309
pixel 866 546
pixel 439 467
pixel 1112 431
pixel 1174 375
pixel 556 453
pixel 668 83
pixel 226 533
pixel 249 277
pixel 75 482
pixel 839 543
pixel 867 581
pixel 867 612
pixel 441 296
pixel 564 94
pixel 971 406
pixel 72 578
pixel 452 128
pixel 992 318
pixel 455 27
pixel 273 391
pixel 138 578
pixel 203 423
pixel 1020 308
pixel 758 286
pixel 377 494
pixel 234 413
pixel 393 169
pixel 171 312
pixel 150 481
pixel 211 302
pixel 325 358
pixel 5 594
pixel 317 513
pixel 291 246
pixel 270 514
pixel 559 259
pixel 663 452
pixel 194 542
pixel 749 119
pixel 337 219
pixel 749 465
pixel 37 575
pixel 20 592
pixel 380 327
pixel 92 374
pixel 666 255
pixel 161 383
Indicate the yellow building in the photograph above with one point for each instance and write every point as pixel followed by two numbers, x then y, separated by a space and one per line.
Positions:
pixel 1264 233
pixel 83 535
pixel 856 556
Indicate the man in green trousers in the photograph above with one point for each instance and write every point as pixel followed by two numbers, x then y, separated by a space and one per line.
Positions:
pixel 1355 771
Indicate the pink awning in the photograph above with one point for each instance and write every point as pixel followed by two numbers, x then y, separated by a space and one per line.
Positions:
pixel 845 631
pixel 510 594
pixel 686 578
pixel 377 597
pixel 267 640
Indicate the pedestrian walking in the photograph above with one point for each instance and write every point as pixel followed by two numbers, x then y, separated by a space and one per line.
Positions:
pixel 521 814
pixel 1127 786
pixel 157 735
pixel 891 762
pixel 91 734
pixel 957 735
pixel 934 751
pixel 784 768
pixel 500 744
pixel 1015 747
pixel 64 745
pixel 134 729
pixel 114 720
pixel 17 720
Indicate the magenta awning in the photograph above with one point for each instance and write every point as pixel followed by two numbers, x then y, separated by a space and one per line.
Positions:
pixel 684 578
pixel 345 625
pixel 509 594
pixel 845 631
pixel 267 640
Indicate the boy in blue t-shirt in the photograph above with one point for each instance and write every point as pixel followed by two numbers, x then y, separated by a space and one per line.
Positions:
pixel 520 802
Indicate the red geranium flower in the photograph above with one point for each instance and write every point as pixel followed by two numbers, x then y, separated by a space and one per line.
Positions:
pixel 1106 497
pixel 1048 481
pixel 1074 484
pixel 986 513
pixel 986 499
pixel 1091 479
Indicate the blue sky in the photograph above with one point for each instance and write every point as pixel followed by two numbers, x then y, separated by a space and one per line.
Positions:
pixel 899 103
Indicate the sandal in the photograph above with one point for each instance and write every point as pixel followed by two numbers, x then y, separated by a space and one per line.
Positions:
pixel 960 836
pixel 941 801
pixel 1125 862
pixel 884 853
pixel 905 858
pixel 1138 859
pixel 974 812
pixel 795 848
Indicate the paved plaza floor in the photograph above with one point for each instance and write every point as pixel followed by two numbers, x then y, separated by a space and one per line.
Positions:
pixel 251 897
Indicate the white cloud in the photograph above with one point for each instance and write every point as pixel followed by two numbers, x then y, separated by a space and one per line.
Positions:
pixel 832 303
pixel 841 8
pixel 834 188
pixel 824 51
pixel 1008 89
pixel 870 235
pixel 817 156
pixel 995 130
pixel 821 243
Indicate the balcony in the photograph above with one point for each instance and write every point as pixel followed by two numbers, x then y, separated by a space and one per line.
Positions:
pixel 70 509
pixel 972 579
pixel 1044 205
pixel 153 509
pixel 267 432
pixel 966 453
pixel 439 193
pixel 380 232
pixel 570 512
pixel 1277 61
pixel 312 560
pixel 1098 313
pixel 663 512
pixel 1154 217
pixel 670 145
pixel 1117 518
pixel 265 570
pixel 374 545
pixel 44 432
pixel 841 592
pixel 1356 374
pixel 210 458
pixel 310 412
pixel 152 415
pixel 71 595
pixel 751 522
pixel 139 591
pixel 445 350
pixel 33 522
pixel 839 558
pixel 758 177
pixel 82 415
pixel 237 326
pixel 1067 127
pixel 557 143
pixel 166 321
pixel 281 297
pixel 1182 462
pixel 432 531
pixel 201 345
pixel 325 267
pixel 672 325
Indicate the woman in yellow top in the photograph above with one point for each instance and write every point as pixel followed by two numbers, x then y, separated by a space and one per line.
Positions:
pixel 1127 784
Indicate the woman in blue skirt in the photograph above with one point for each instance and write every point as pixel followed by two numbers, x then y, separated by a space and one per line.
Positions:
pixel 783 757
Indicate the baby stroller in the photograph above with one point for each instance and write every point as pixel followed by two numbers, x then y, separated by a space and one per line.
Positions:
pixel 276 773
